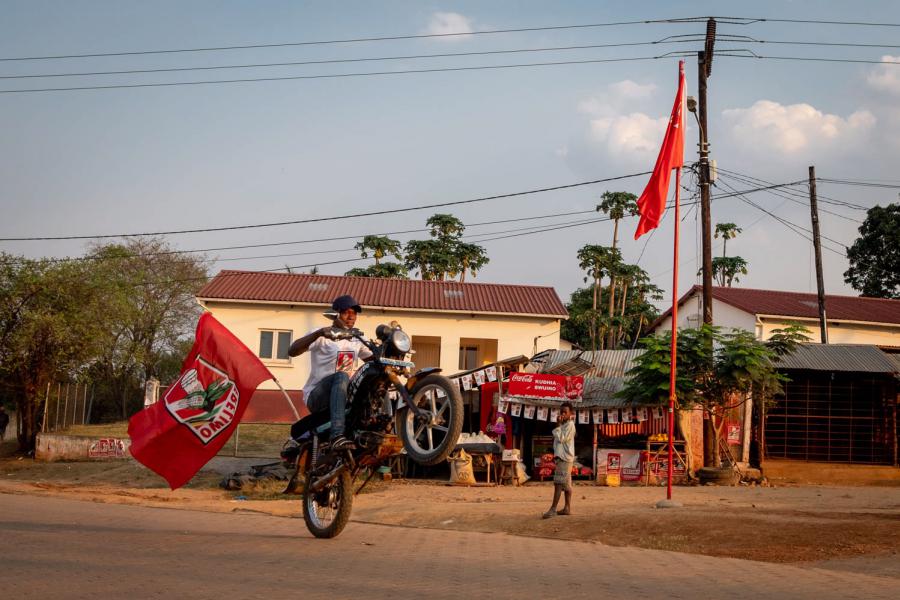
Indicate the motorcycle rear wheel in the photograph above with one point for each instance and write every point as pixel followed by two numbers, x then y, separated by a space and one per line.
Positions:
pixel 327 512
pixel 429 443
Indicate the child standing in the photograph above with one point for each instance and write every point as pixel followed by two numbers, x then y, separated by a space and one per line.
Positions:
pixel 564 455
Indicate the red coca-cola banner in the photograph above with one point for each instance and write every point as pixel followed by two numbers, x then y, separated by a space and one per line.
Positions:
pixel 540 385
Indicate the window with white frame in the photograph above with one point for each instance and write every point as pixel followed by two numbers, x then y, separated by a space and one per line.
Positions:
pixel 274 344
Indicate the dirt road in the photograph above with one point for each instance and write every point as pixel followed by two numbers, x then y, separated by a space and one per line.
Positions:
pixel 73 549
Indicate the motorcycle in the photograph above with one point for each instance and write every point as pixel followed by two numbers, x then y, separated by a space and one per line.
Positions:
pixel 389 408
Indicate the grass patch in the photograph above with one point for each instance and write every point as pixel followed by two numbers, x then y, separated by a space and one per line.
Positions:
pixel 252 439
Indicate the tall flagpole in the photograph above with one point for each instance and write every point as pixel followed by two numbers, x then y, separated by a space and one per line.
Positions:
pixel 674 349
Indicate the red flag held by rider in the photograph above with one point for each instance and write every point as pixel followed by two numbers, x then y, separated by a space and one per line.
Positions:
pixel 652 202
pixel 198 413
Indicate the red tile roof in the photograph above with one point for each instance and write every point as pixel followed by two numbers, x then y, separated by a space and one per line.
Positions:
pixel 798 304
pixel 392 293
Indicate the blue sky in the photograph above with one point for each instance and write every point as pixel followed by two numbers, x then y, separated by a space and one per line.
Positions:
pixel 149 159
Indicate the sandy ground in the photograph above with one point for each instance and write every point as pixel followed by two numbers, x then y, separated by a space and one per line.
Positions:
pixel 845 528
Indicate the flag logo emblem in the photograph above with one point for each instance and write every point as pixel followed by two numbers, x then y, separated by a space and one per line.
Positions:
pixel 204 399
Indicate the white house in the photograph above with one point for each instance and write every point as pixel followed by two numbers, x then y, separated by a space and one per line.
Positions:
pixel 850 319
pixel 455 326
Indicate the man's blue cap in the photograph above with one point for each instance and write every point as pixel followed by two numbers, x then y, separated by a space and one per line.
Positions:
pixel 342 303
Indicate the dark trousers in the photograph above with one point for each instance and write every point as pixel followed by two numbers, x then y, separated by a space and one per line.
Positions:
pixel 330 394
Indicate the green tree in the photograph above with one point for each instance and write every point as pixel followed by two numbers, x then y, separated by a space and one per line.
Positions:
pixel 727 268
pixel 875 255
pixel 379 246
pixel 50 324
pixel 150 307
pixel 386 270
pixel 716 370
pixel 598 262
pixel 616 205
pixel 445 254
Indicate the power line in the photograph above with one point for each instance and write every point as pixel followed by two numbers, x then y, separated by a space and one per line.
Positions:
pixel 357 40
pixel 785 195
pixel 826 199
pixel 360 236
pixel 666 40
pixel 353 60
pixel 333 218
pixel 337 75
pixel 725 52
pixel 751 20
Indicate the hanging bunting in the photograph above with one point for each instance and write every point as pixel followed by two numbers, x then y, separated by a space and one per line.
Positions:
pixel 554 415
pixel 491 373
pixel 479 378
pixel 542 413
pixel 584 417
pixel 467 382
pixel 529 412
pixel 612 416
pixel 503 406
pixel 642 414
pixel 626 415
pixel 515 409
pixel 598 415
pixel 657 412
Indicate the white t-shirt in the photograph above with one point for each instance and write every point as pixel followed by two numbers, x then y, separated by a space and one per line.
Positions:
pixel 329 356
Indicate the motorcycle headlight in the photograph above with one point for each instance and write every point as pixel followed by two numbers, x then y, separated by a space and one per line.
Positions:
pixel 401 341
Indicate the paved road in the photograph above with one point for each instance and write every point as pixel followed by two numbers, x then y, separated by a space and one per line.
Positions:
pixel 57 548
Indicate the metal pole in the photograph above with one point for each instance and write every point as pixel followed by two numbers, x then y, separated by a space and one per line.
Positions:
pixel 674 348
pixel 46 408
pixel 817 245
pixel 66 406
pixel 289 401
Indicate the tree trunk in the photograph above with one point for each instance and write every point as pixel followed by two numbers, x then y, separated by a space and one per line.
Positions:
pixel 710 455
pixel 610 342
pixel 619 329
pixel 594 316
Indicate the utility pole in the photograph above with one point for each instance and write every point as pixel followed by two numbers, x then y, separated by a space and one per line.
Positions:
pixel 704 70
pixel 817 244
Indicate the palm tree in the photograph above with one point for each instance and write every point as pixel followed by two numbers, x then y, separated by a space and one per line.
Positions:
pixel 617 205
pixel 380 246
pixel 598 261
pixel 728 231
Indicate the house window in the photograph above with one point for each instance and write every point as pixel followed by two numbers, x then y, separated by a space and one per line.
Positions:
pixel 468 357
pixel 274 344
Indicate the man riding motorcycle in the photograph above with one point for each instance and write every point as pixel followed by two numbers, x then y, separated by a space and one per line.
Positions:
pixel 331 363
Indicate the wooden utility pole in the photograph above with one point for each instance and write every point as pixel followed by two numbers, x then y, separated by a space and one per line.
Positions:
pixel 704 70
pixel 817 244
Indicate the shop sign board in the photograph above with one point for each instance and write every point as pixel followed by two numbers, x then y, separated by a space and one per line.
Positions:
pixel 545 385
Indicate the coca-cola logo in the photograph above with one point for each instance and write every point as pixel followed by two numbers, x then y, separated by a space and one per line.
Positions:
pixel 523 377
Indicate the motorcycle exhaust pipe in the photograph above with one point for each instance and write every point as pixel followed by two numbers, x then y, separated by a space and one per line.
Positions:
pixel 319 484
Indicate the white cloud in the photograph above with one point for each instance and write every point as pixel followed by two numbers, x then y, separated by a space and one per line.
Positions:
pixel 632 137
pixel 616 98
pixel 886 78
pixel 442 23
pixel 771 127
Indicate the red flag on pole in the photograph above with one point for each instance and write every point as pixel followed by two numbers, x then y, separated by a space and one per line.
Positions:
pixel 189 425
pixel 652 202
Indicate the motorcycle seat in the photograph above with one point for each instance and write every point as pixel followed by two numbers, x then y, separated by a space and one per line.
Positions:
pixel 309 423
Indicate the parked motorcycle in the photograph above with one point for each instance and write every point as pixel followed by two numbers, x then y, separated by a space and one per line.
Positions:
pixel 390 407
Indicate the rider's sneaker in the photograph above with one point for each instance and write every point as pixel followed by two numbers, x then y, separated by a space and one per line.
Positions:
pixel 290 451
pixel 342 443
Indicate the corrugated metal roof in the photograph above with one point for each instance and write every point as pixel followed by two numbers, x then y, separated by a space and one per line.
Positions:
pixel 799 304
pixel 605 376
pixel 605 363
pixel 854 358
pixel 391 293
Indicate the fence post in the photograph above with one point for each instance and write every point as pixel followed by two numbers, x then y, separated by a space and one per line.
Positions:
pixel 91 405
pixel 74 403
pixel 46 408
pixel 56 416
pixel 237 437
pixel 66 406
pixel 84 404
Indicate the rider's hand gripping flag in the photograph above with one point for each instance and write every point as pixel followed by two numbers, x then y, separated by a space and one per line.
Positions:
pixel 652 202
pixel 198 413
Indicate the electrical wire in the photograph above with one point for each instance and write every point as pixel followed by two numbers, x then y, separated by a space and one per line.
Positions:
pixel 332 218
pixel 357 40
pixel 340 75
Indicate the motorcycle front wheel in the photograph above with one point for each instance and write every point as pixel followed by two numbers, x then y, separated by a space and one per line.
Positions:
pixel 429 439
pixel 327 512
